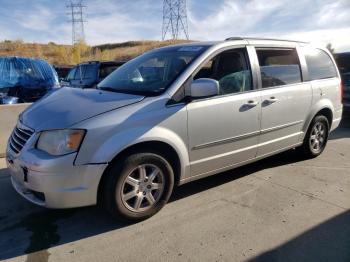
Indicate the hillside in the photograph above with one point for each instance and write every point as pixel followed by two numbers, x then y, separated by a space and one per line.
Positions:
pixel 57 54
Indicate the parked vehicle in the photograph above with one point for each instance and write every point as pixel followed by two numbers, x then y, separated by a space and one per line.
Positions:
pixel 343 61
pixel 170 116
pixel 25 80
pixel 88 75
pixel 62 71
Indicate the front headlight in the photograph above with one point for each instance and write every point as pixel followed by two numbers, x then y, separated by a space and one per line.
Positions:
pixel 60 142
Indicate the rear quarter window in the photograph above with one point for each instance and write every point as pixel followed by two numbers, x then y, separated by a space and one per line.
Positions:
pixel 319 64
pixel 89 72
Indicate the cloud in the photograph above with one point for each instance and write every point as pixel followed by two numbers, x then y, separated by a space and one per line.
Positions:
pixel 111 21
pixel 317 21
pixel 115 21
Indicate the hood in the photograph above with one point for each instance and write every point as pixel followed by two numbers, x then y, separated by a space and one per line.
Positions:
pixel 68 106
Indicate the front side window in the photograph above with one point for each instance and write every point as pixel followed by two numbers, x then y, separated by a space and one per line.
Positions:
pixel 319 64
pixel 153 72
pixel 231 69
pixel 279 67
pixel 79 73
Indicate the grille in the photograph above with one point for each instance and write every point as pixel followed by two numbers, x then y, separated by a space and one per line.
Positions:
pixel 19 138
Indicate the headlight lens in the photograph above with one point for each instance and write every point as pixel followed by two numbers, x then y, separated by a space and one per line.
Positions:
pixel 60 142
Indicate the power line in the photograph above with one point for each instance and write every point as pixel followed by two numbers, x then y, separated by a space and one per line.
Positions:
pixel 76 13
pixel 174 19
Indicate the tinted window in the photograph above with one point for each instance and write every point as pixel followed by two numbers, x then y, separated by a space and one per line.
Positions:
pixel 319 64
pixel 279 67
pixel 89 71
pixel 230 69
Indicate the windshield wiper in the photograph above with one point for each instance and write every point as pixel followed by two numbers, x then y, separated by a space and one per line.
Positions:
pixel 106 88
pixel 131 92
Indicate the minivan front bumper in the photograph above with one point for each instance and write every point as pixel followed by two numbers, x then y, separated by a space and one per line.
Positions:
pixel 54 182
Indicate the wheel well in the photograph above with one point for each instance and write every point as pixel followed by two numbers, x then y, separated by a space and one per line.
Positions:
pixel 327 113
pixel 164 149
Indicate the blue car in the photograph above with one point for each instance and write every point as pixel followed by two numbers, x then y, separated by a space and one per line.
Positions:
pixel 89 74
pixel 25 80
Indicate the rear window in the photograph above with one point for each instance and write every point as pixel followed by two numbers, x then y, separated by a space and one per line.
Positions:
pixel 319 63
pixel 106 70
pixel 279 67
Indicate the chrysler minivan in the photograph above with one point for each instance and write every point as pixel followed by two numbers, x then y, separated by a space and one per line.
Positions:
pixel 171 116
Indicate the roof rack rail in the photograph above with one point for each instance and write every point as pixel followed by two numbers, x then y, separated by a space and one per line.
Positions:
pixel 261 38
pixel 234 38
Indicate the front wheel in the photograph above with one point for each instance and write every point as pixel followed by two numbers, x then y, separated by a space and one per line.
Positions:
pixel 139 186
pixel 316 137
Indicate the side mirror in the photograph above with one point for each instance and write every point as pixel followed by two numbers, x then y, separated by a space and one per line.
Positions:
pixel 204 87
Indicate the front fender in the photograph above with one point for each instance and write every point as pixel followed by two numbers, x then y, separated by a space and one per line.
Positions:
pixel 124 139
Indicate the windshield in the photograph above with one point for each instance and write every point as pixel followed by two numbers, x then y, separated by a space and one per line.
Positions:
pixel 153 72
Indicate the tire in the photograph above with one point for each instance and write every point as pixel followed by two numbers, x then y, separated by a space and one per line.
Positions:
pixel 316 137
pixel 134 183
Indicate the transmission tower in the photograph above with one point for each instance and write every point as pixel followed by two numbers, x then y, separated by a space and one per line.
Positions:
pixel 174 19
pixel 76 8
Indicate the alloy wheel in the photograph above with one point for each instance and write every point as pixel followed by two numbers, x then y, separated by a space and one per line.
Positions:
pixel 318 137
pixel 142 188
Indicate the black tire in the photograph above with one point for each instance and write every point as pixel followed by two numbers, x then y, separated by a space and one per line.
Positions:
pixel 307 149
pixel 115 184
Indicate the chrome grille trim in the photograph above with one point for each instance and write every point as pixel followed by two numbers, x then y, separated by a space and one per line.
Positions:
pixel 27 132
pixel 19 137
pixel 13 147
pixel 16 141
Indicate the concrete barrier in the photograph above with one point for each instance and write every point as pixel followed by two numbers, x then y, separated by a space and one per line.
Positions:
pixel 8 119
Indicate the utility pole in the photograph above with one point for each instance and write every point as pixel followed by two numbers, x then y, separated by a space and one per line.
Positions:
pixel 75 11
pixel 174 19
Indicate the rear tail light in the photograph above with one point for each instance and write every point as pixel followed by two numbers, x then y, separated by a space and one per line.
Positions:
pixel 341 93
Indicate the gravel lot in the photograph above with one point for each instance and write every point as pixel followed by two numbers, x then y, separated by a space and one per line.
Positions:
pixel 278 209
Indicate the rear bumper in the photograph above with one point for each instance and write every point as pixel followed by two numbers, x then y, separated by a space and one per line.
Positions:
pixel 55 185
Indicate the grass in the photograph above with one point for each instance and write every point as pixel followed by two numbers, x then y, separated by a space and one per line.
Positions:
pixel 57 54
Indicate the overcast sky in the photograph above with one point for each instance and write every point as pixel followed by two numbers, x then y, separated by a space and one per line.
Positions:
pixel 110 21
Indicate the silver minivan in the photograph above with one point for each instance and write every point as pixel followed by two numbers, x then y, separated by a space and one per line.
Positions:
pixel 170 116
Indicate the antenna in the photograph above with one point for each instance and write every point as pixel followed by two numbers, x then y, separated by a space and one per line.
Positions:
pixel 75 8
pixel 174 19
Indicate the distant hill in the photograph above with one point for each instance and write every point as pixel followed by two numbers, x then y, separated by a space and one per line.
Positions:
pixel 57 54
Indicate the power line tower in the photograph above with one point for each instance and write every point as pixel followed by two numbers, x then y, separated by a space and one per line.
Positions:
pixel 76 8
pixel 174 19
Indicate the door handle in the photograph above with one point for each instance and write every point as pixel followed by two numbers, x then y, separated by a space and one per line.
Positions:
pixel 251 103
pixel 271 100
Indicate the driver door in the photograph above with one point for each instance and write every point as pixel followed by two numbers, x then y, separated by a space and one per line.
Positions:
pixel 224 130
